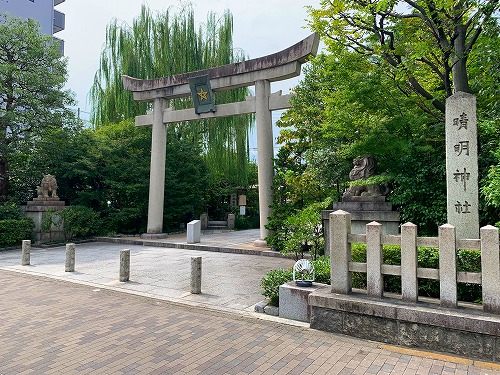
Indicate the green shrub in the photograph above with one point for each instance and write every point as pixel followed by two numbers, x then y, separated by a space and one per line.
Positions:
pixel 271 283
pixel 12 232
pixel 469 261
pixel 358 254
pixel 247 222
pixel 322 270
pixel 80 222
pixel 128 220
pixel 10 211
pixel 428 257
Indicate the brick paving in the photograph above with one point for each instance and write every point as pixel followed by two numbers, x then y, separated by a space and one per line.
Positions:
pixel 54 327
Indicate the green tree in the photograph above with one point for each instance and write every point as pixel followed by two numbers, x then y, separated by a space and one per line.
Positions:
pixel 166 44
pixel 32 99
pixel 346 107
pixel 107 170
pixel 356 102
pixel 425 45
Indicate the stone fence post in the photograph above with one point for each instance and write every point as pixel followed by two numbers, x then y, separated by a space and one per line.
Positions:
pixel 340 252
pixel 409 263
pixel 447 266
pixel 490 269
pixel 374 260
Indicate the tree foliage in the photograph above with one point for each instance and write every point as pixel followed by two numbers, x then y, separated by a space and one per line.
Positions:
pixel 32 98
pixel 166 44
pixel 425 45
pixel 346 107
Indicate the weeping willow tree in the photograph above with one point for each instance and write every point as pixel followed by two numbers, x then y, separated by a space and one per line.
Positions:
pixel 165 44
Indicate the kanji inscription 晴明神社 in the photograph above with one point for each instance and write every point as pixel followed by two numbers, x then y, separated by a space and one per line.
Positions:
pixel 461 165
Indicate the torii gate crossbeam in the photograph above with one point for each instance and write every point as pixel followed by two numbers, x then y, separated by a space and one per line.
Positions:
pixel 258 72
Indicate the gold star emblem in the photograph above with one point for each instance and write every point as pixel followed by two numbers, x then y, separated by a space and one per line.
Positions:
pixel 202 94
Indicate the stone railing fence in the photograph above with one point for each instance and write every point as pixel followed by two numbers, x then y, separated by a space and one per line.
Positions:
pixel 342 265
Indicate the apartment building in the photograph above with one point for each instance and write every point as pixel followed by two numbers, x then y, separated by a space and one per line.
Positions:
pixel 51 21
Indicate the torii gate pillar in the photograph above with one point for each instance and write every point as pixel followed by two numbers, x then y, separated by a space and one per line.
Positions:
pixel 265 152
pixel 157 172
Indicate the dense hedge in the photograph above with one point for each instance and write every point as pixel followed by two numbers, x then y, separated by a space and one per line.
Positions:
pixel 10 211
pixel 13 231
pixel 467 260
pixel 81 222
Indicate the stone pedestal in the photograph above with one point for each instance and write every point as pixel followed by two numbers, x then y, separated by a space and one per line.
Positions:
pixel 294 301
pixel 363 210
pixel 36 210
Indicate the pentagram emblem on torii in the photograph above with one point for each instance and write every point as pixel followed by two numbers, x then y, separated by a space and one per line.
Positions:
pixel 202 94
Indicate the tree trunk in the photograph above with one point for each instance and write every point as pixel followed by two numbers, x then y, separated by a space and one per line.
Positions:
pixel 459 70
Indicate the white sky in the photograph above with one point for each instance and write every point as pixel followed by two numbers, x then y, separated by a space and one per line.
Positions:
pixel 261 27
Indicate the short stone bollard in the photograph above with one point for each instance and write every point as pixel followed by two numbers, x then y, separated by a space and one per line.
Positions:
pixel 124 265
pixel 26 249
pixel 196 275
pixel 70 258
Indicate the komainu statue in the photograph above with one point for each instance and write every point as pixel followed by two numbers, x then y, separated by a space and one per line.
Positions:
pixel 48 187
pixel 364 167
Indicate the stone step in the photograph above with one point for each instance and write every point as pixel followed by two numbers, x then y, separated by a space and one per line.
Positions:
pixel 217 223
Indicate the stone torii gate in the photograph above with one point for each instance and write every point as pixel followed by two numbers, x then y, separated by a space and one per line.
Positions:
pixel 258 72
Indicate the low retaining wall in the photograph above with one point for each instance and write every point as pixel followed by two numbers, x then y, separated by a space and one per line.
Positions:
pixel 458 331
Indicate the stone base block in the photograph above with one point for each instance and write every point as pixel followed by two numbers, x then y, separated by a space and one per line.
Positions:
pixel 347 198
pixel 363 213
pixel 44 204
pixel 293 301
pixel 154 236
pixel 271 310
pixel 54 236
pixel 260 243
pixel 462 331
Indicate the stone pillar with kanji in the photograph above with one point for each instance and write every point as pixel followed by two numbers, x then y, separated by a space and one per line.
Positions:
pixel 461 165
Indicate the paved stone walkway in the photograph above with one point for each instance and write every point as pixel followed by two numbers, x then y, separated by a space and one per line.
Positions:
pixel 55 327
pixel 229 281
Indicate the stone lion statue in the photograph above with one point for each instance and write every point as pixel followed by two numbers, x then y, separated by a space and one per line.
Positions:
pixel 364 167
pixel 48 187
